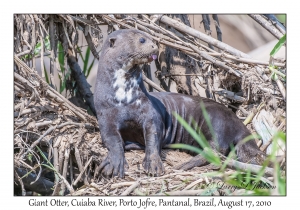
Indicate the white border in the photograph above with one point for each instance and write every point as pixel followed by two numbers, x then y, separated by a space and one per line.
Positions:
pixel 153 6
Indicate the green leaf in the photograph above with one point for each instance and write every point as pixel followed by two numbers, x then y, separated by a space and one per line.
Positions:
pixel 46 74
pixel 45 158
pixel 207 153
pixel 202 142
pixel 63 86
pixel 61 57
pixel 281 181
pixel 207 119
pixel 90 67
pixel 186 146
pixel 37 48
pixel 29 157
pixel 80 53
pixel 47 43
pixel 279 44
pixel 86 60
pixel 281 18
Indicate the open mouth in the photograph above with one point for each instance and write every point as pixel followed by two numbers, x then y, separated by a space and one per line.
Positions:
pixel 136 61
pixel 144 60
pixel 152 57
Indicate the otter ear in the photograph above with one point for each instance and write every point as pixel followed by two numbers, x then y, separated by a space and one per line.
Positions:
pixel 112 42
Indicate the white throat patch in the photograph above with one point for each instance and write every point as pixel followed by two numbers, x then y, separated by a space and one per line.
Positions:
pixel 125 89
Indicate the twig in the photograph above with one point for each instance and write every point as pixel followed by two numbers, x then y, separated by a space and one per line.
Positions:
pixel 267 25
pixel 268 90
pixel 33 39
pixel 61 154
pixel 244 60
pixel 67 36
pixel 183 192
pixel 81 173
pixel 277 72
pixel 170 75
pixel 21 183
pixel 31 110
pixel 249 167
pixel 70 188
pixel 184 28
pixel 42 185
pixel 65 167
pixel 281 88
pixel 41 124
pixel 265 146
pixel 230 95
pixel 155 86
pixel 274 21
pixel 57 96
pixel 52 45
pixel 26 52
pixel 253 113
pixel 99 188
pixel 90 43
pixel 206 23
pixel 116 27
pixel 86 22
pixel 193 184
pixel 86 125
pixel 39 139
pixel 127 184
pixel 24 164
pixel 214 61
pixel 25 81
pixel 55 161
pixel 131 188
pixel 218 28
pixel 42 56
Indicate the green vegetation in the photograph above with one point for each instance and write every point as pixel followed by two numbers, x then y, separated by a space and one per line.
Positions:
pixel 254 184
pixel 63 73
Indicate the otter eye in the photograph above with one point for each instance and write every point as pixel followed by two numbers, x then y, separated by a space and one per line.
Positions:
pixel 142 40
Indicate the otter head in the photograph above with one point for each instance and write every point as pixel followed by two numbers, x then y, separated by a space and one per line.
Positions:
pixel 122 54
pixel 129 47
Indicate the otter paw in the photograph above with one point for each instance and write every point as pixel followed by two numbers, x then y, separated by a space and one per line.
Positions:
pixel 113 165
pixel 153 165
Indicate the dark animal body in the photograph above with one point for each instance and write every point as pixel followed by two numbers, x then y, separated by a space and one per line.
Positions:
pixel 128 113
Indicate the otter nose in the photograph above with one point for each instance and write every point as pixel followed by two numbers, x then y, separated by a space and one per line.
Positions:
pixel 154 46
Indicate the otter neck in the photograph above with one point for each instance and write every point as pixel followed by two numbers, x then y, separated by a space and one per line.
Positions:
pixel 128 85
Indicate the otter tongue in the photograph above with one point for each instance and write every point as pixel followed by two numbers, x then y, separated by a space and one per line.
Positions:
pixel 154 56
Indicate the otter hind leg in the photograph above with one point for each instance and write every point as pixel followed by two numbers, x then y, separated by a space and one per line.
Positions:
pixel 196 161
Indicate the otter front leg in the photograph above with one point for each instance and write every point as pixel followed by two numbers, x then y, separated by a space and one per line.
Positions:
pixel 153 139
pixel 113 164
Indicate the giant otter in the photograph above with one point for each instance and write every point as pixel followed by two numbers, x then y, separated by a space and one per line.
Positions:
pixel 127 112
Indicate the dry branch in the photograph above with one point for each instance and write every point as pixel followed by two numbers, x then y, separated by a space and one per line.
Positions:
pixel 183 192
pixel 267 25
pixel 83 170
pixel 188 30
pixel 148 81
pixel 131 188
